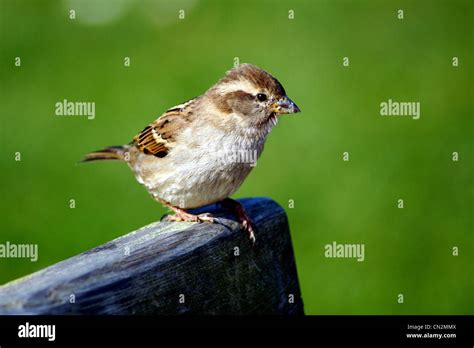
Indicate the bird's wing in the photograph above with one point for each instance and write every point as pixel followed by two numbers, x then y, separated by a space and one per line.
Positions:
pixel 157 138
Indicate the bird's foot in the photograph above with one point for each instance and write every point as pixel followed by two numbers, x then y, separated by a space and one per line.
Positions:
pixel 249 227
pixel 182 215
pixel 244 219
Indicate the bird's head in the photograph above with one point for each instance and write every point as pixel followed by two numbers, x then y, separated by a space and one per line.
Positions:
pixel 252 95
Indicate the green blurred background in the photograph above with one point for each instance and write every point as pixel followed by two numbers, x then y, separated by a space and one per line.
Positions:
pixel 407 251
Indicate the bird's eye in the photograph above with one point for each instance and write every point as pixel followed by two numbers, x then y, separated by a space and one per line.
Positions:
pixel 262 97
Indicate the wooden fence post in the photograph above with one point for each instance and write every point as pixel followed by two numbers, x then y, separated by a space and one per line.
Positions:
pixel 173 268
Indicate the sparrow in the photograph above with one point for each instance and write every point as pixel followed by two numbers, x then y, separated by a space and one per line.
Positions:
pixel 197 153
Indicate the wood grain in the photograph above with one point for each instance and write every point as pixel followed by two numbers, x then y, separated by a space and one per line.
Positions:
pixel 148 271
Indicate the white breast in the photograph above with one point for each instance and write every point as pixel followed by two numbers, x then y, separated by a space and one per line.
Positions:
pixel 206 166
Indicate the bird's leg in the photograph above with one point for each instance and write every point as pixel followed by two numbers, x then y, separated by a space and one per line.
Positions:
pixel 183 215
pixel 244 219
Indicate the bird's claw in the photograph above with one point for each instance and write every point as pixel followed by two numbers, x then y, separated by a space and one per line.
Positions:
pixel 237 208
pixel 248 226
pixel 186 217
pixel 206 217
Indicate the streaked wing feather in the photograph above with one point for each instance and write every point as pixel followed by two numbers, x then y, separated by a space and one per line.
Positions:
pixel 157 138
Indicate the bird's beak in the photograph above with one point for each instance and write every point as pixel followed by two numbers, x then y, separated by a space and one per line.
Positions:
pixel 285 106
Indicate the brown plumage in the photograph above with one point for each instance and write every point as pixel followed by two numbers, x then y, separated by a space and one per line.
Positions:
pixel 187 158
pixel 257 77
pixel 109 153
pixel 154 139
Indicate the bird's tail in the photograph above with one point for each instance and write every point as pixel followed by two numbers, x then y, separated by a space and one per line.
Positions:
pixel 109 153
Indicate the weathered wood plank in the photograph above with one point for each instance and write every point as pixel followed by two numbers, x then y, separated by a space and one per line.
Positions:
pixel 149 270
